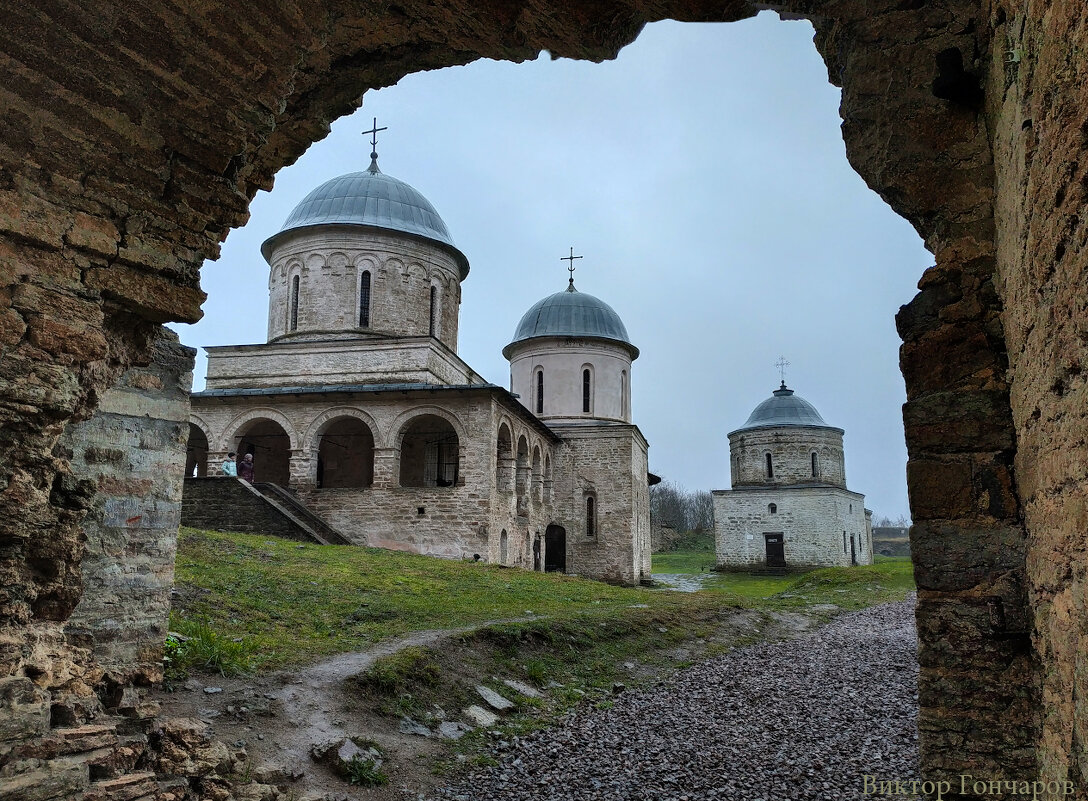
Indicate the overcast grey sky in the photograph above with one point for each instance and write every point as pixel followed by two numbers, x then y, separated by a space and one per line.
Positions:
pixel 703 177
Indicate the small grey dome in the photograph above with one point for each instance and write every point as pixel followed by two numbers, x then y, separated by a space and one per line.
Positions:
pixel 571 313
pixel 783 409
pixel 375 200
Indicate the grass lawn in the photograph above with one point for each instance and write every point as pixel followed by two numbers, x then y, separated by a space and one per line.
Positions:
pixel 293 602
pixel 891 578
pixel 275 602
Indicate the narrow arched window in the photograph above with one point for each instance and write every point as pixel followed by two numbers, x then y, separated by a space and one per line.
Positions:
pixel 772 508
pixel 624 396
pixel 434 307
pixel 591 516
pixel 294 304
pixel 770 467
pixel 539 391
pixel 815 465
pixel 587 390
pixel 364 299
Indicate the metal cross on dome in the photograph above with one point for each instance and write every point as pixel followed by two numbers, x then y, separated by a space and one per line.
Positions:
pixel 782 364
pixel 374 141
pixel 571 268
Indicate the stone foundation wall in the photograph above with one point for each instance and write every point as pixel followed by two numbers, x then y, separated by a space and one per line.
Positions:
pixel 228 504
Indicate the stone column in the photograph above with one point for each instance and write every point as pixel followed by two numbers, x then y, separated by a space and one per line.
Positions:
pixel 303 468
pixel 385 465
pixel 505 479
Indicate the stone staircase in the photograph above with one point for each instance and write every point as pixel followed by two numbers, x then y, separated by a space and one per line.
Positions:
pixel 322 531
pixel 233 504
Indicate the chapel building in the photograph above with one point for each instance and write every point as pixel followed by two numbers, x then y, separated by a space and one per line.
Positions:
pixel 789 507
pixel 360 407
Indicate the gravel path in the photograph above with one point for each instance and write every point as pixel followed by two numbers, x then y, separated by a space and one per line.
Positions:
pixel 797 720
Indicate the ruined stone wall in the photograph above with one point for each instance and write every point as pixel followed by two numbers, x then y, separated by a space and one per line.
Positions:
pixel 609 463
pixel 72 716
pixel 1037 114
pixel 134 447
pixel 136 136
pixel 813 521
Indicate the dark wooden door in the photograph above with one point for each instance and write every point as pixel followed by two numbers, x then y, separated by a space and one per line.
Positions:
pixel 555 549
pixel 776 550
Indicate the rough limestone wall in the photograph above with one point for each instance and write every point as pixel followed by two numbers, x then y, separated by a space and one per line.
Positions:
pixel 134 446
pixel 609 462
pixel 1037 93
pixel 917 134
pixel 72 717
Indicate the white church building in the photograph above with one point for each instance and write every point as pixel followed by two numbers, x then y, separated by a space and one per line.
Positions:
pixel 359 405
pixel 789 507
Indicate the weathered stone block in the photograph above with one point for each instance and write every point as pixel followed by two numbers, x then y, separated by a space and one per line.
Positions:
pixel 24 709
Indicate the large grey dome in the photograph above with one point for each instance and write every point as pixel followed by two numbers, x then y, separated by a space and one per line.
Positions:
pixel 571 313
pixel 374 200
pixel 783 409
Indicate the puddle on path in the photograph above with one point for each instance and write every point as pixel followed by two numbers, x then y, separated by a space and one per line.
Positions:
pixel 682 582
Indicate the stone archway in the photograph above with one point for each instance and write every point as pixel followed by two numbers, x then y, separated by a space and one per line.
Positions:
pixel 196 452
pixel 270 447
pixel 113 191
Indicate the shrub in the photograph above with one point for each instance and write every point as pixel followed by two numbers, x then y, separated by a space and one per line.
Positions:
pixel 365 773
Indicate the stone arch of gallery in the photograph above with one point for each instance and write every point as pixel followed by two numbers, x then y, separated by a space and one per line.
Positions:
pixel 271 449
pixel 429 453
pixel 504 458
pixel 345 454
pixel 196 452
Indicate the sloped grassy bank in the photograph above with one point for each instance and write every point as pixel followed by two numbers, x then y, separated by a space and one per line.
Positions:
pixel 253 603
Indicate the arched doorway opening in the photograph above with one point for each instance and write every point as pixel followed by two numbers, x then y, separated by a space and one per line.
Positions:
pixel 429 452
pixel 271 449
pixel 555 549
pixel 345 454
pixel 196 452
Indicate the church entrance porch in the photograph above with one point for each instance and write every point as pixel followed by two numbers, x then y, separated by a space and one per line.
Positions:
pixel 555 549
pixel 271 449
